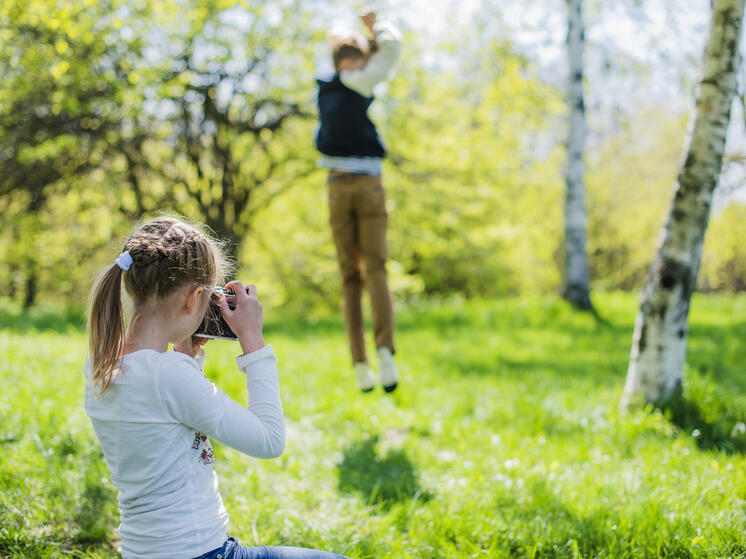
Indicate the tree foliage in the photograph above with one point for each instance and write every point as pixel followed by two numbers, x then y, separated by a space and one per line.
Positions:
pixel 177 106
pixel 65 99
pixel 112 111
pixel 231 81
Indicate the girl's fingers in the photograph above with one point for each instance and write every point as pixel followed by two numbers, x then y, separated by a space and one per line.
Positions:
pixel 242 291
pixel 236 286
pixel 224 307
pixel 239 289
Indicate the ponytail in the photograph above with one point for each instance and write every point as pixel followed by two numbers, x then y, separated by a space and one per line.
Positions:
pixel 106 327
pixel 164 254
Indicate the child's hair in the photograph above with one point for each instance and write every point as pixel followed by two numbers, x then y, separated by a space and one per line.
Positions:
pixel 167 253
pixel 350 45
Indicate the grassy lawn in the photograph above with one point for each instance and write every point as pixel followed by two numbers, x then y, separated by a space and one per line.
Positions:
pixel 503 440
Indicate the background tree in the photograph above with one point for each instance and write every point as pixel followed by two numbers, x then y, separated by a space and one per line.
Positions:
pixel 474 120
pixel 659 344
pixel 234 77
pixel 180 106
pixel 576 287
pixel 66 73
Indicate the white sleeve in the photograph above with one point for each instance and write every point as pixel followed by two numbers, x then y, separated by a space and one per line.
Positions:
pixel 380 64
pixel 193 400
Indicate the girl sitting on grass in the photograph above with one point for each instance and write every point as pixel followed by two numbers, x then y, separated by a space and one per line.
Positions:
pixel 153 410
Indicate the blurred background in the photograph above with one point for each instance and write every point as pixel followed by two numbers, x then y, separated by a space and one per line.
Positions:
pixel 112 111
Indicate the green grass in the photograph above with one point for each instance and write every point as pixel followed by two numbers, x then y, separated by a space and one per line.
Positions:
pixel 503 440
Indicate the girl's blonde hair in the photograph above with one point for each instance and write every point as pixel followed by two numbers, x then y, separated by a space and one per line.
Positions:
pixel 167 254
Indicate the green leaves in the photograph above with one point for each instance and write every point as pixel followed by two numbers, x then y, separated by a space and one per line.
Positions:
pixel 111 111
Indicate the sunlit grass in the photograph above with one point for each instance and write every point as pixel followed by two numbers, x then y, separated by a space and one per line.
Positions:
pixel 503 440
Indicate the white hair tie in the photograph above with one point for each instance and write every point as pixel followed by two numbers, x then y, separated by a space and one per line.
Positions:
pixel 124 261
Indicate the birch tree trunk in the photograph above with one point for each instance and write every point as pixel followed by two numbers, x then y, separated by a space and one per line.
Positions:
pixel 576 284
pixel 659 342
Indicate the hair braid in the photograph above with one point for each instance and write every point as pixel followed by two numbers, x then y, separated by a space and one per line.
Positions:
pixel 167 254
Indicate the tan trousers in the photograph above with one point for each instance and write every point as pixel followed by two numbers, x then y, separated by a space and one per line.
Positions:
pixel 357 214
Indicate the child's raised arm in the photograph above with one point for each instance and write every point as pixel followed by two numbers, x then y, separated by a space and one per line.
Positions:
pixel 378 68
pixel 194 401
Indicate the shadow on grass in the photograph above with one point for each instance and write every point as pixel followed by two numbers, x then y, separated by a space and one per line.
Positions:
pixel 598 354
pixel 558 530
pixel 89 528
pixel 382 480
pixel 508 337
pixel 717 351
pixel 97 511
pixel 714 421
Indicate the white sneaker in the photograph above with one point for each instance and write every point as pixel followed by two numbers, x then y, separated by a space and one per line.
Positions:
pixel 389 376
pixel 366 380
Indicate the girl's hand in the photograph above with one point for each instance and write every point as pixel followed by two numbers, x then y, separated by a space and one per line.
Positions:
pixel 191 346
pixel 246 318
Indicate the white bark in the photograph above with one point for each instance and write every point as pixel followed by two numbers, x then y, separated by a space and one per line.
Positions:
pixel 576 288
pixel 659 342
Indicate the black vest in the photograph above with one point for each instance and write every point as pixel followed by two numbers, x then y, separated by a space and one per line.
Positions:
pixel 345 129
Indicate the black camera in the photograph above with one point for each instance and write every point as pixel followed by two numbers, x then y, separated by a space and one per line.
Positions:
pixel 214 325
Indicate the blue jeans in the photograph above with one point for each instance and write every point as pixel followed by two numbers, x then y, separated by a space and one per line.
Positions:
pixel 232 549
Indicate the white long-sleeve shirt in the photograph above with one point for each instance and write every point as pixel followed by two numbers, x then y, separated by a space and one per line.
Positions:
pixel 153 425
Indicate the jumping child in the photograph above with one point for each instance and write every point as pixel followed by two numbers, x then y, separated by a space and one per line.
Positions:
pixel 153 410
pixel 353 152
